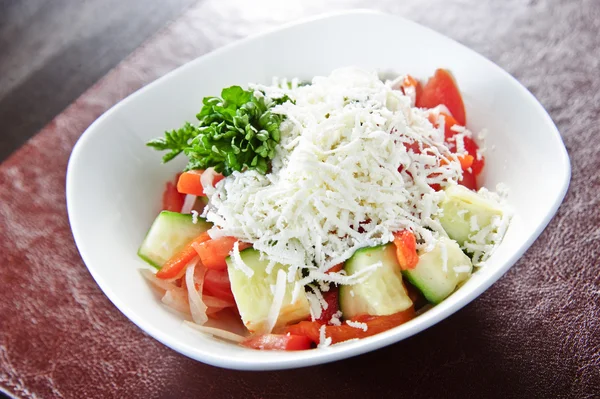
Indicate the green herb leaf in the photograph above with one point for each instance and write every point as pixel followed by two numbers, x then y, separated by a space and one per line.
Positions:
pixel 235 132
pixel 175 141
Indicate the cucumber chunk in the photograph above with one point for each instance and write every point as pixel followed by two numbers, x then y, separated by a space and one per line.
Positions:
pixel 466 212
pixel 254 297
pixel 168 235
pixel 435 280
pixel 383 292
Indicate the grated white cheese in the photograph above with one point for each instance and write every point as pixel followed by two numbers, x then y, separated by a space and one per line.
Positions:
pixel 357 324
pixel 314 306
pixel 319 295
pixel 335 318
pixel 334 185
pixel 341 278
pixel 444 250
pixel 194 216
pixel 483 242
pixel 278 296
pixel 460 143
pixel 473 223
pixel 324 341
pixel 296 292
pixel 346 341
pixel 238 263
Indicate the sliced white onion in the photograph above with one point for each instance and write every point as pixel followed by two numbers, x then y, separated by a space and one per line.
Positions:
pixel 177 299
pixel 157 282
pixel 206 179
pixel 215 302
pixel 188 203
pixel 217 332
pixel 278 296
pixel 212 311
pixel 197 306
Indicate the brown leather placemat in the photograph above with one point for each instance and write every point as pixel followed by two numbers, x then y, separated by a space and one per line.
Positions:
pixel 535 333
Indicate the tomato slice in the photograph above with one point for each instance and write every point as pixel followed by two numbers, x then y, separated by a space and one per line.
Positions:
pixel 449 122
pixel 375 325
pixel 172 199
pixel 173 267
pixel 471 147
pixel 411 83
pixel 442 89
pixel 466 161
pixel 336 268
pixel 282 342
pixel 406 249
pixel 468 180
pixel 331 297
pixel 214 252
pixel 217 284
pixel 189 182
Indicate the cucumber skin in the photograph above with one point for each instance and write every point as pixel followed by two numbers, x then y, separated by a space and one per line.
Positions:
pixel 430 295
pixel 202 225
pixel 434 294
pixel 148 260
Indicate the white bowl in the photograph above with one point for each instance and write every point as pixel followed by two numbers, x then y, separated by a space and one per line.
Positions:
pixel 115 182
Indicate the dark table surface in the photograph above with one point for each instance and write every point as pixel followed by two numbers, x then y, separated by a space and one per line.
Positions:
pixel 51 51
pixel 535 333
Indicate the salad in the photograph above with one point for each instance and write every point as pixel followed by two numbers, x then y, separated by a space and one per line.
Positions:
pixel 319 212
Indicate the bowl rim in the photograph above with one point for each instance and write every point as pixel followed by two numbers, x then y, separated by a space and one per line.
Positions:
pixel 335 352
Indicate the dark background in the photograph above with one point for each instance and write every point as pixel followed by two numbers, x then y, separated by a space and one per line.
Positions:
pixel 51 51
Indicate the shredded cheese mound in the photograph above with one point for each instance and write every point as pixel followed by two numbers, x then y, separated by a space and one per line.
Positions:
pixel 358 324
pixel 324 340
pixel 335 318
pixel 345 175
pixel 484 242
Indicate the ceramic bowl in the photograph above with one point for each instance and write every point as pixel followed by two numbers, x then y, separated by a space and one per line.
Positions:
pixel 115 182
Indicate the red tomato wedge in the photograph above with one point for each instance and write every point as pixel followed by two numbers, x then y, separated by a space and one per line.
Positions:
pixel 214 252
pixel 375 325
pixel 214 302
pixel 471 147
pixel 336 268
pixel 189 182
pixel 449 121
pixel 442 89
pixel 466 161
pixel 172 199
pixel 281 342
pixel 217 284
pixel 331 297
pixel 174 266
pixel 406 249
pixel 468 181
pixel 410 82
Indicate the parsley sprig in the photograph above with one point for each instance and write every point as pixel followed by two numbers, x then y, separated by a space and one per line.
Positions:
pixel 235 132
